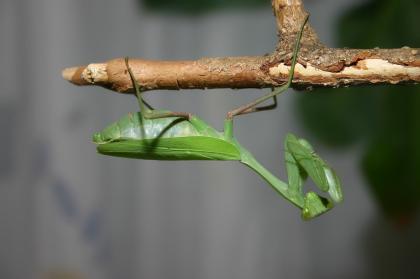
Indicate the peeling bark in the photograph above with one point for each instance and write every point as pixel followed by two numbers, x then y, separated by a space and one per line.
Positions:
pixel 317 65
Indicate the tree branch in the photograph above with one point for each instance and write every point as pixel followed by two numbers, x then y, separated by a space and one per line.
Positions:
pixel 317 65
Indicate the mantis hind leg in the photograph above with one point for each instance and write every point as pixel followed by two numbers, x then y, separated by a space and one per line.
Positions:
pixel 146 110
pixel 252 106
pixel 260 108
pixel 228 131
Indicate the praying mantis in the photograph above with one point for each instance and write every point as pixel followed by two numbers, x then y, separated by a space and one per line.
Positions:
pixel 165 135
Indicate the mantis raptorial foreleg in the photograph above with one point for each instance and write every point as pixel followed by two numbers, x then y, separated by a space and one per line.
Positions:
pixel 313 165
pixel 301 162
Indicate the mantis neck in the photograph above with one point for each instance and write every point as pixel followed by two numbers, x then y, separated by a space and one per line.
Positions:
pixel 278 185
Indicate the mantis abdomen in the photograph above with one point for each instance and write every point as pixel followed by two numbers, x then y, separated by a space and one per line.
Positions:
pixel 170 138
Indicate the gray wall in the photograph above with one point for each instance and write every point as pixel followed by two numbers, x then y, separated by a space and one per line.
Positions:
pixel 66 211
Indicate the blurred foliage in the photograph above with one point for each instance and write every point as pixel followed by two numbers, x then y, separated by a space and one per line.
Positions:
pixel 195 7
pixel 385 118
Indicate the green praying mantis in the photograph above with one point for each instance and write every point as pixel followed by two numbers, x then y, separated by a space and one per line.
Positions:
pixel 165 135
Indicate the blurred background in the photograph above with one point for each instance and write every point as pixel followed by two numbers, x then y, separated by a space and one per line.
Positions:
pixel 67 212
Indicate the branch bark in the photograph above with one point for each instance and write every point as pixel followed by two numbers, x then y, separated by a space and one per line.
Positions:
pixel 317 65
